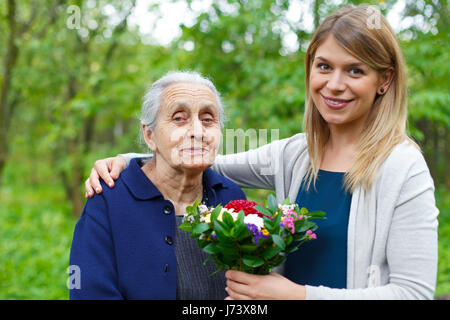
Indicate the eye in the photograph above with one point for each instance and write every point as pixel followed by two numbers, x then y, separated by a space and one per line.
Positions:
pixel 207 118
pixel 323 66
pixel 179 117
pixel 356 72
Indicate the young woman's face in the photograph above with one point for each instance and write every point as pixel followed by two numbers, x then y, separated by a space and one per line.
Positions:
pixel 342 87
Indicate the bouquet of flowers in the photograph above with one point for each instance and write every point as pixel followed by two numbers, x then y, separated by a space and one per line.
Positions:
pixel 249 237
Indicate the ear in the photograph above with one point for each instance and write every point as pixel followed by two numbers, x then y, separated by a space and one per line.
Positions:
pixel 149 138
pixel 385 80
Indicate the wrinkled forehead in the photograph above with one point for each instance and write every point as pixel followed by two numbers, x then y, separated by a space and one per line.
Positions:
pixel 189 95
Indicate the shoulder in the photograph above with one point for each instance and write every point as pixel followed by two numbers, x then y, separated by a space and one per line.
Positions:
pixel 223 185
pixel 405 158
pixel 404 174
pixel 99 207
pixel 295 142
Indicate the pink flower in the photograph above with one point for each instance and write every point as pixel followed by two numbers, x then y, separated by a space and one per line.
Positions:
pixel 290 212
pixel 288 221
pixel 311 235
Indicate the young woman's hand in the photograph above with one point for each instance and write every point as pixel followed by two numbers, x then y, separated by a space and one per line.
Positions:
pixel 244 286
pixel 107 169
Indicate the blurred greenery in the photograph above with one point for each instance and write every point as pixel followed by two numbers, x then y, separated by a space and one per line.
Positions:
pixel 70 95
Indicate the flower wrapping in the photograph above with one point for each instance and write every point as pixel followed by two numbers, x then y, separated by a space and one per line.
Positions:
pixel 249 237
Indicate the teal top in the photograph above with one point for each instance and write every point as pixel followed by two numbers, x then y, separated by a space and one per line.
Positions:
pixel 323 261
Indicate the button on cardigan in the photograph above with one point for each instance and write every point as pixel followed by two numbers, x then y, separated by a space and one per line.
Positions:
pixel 123 241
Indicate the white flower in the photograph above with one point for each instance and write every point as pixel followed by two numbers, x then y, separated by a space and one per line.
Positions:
pixel 233 214
pixel 254 219
pixel 286 207
pixel 202 208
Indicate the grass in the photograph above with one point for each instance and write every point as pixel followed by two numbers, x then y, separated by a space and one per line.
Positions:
pixel 36 234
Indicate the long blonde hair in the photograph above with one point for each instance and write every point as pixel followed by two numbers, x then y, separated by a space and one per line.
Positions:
pixel 378 47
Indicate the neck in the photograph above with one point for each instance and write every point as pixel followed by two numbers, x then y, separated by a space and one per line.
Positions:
pixel 344 137
pixel 341 149
pixel 179 186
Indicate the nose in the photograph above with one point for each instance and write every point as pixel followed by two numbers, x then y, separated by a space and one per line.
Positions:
pixel 196 130
pixel 336 83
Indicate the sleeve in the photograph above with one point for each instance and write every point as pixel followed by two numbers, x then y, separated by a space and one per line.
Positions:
pixel 92 254
pixel 241 168
pixel 129 156
pixel 255 168
pixel 412 246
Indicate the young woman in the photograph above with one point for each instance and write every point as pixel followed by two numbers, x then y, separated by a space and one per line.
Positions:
pixel 355 162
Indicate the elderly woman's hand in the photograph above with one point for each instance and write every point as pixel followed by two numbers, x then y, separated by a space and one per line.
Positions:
pixel 108 169
pixel 244 286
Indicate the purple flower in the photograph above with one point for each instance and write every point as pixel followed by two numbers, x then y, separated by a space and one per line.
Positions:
pixel 252 228
pixel 256 233
pixel 258 236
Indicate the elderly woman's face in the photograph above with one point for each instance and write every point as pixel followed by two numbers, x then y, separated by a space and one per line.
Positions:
pixel 187 133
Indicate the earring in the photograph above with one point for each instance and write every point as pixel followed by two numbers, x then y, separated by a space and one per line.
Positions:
pixel 382 90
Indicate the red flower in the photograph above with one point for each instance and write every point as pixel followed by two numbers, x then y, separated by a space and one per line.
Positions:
pixel 244 205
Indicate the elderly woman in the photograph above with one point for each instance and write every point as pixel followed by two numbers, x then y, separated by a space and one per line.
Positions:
pixel 126 243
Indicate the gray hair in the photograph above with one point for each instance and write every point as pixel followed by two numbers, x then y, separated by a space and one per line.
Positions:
pixel 153 96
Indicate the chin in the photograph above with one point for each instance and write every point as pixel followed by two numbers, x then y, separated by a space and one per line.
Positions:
pixel 196 163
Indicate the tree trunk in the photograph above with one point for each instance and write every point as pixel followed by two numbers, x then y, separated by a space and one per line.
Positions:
pixel 8 65
pixel 316 13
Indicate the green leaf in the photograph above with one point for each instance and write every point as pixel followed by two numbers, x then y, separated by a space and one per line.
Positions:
pixel 248 247
pixel 252 261
pixel 240 231
pixel 207 259
pixel 201 227
pixel 264 210
pixel 306 226
pixel 211 248
pixel 277 220
pixel 221 230
pixel 269 225
pixel 202 243
pixel 215 212
pixel 228 249
pixel 272 202
pixel 271 252
pixel 317 215
pixel 304 211
pixel 241 217
pixel 279 241
pixel 228 219
pixel 190 210
pixel 186 226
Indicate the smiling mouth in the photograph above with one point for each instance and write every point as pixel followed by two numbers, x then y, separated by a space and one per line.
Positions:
pixel 336 103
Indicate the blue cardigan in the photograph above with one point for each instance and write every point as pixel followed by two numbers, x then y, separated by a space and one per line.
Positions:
pixel 123 241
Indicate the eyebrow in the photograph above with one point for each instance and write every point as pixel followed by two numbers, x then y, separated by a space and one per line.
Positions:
pixel 184 105
pixel 353 64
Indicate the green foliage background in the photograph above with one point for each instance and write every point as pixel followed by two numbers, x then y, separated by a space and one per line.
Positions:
pixel 74 96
